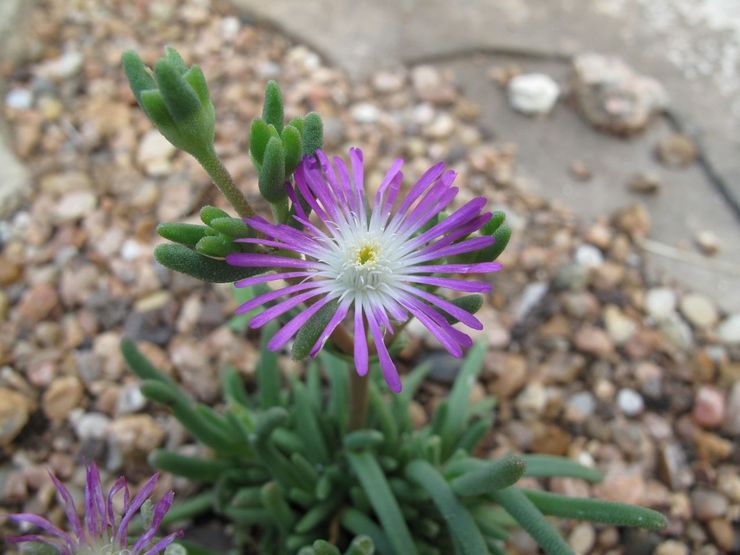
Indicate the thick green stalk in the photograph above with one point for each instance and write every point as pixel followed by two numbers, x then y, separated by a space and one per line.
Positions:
pixel 358 400
pixel 222 179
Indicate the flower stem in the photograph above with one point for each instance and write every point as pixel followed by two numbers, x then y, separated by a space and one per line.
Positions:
pixel 358 395
pixel 222 179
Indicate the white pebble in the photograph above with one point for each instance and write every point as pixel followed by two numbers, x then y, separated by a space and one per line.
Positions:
pixel 533 93
pixel 630 402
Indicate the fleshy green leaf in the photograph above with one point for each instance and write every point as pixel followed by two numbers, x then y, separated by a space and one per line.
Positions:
pixel 531 519
pixel 139 76
pixel 465 534
pixel 497 218
pixel 233 227
pixel 186 261
pixel 210 213
pixel 384 504
pixel 311 330
pixel 185 234
pixel 181 100
pixel 259 135
pixel 272 111
pixel 272 174
pixel 469 303
pixel 293 148
pixel 298 124
pixel 546 466
pixel 361 545
pixel 489 476
pixel 313 134
pixel 215 246
pixel 198 470
pixel 596 510
pixel 492 252
pixel 268 373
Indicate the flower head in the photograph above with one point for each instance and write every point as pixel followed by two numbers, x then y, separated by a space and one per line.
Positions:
pixel 379 264
pixel 100 533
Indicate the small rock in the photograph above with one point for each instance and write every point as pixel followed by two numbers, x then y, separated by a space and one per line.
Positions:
pixel 672 466
pixel 15 179
pixel 19 99
pixel 63 67
pixel 62 395
pixel 136 433
pixel 634 220
pixel 580 170
pixel 388 81
pixel 582 538
pixel 709 407
pixel 37 303
pixel 75 205
pixel 630 402
pixel 430 86
pixel 531 297
pixel 707 242
pixel 729 330
pixel 724 535
pixel 509 372
pixel 589 256
pixel 154 153
pixel 444 367
pixel 677 331
pixel 580 406
pixel 660 303
pixel 14 412
pixel 612 97
pixel 699 310
pixel 645 183
pixel 130 400
pixel 441 127
pixel 91 426
pixel 619 326
pixel 364 112
pixel 624 484
pixel 594 341
pixel 531 401
pixel 672 547
pixel 732 424
pixel 708 504
pixel 533 93
pixel 676 151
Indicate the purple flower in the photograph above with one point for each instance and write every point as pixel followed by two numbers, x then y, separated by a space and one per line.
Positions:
pixel 380 264
pixel 100 533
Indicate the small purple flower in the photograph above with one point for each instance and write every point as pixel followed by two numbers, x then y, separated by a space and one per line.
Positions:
pixel 100 533
pixel 377 263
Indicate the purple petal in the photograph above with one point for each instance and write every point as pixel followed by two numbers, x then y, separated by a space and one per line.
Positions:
pixel 477 268
pixel 291 328
pixel 267 297
pixel 437 329
pixel 462 231
pixel 469 245
pixel 424 181
pixel 282 307
pixel 120 485
pixel 467 212
pixel 95 515
pixel 251 260
pixel 265 278
pixel 160 510
pixel 45 525
pixel 69 506
pixel 131 510
pixel 162 544
pixel 336 319
pixel 449 283
pixel 390 373
pixel 452 309
pixel 360 343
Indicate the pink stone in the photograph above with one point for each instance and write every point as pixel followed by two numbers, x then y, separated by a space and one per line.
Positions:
pixel 709 407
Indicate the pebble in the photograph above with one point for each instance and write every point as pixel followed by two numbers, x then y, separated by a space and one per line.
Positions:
pixel 707 242
pixel 15 410
pixel 582 538
pixel 90 426
pixel 533 93
pixel 531 297
pixel 589 256
pixel 136 433
pixel 645 183
pixel 430 86
pixel 364 112
pixel 37 303
pixel 130 399
pixel 612 97
pixel 660 303
pixel 19 99
pixel 630 402
pixel 62 395
pixel 729 330
pixel 708 504
pixel 63 67
pixel 580 406
pixel 677 331
pixel 709 407
pixel 723 534
pixel 699 310
pixel 531 401
pixel 594 341
pixel 388 81
pixel 441 127
pixel 672 547
pixel 676 151
pixel 619 326
pixel 154 154
pixel 74 205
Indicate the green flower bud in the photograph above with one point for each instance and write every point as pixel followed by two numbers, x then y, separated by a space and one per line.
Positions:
pixel 272 111
pixel 272 173
pixel 176 100
pixel 313 133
